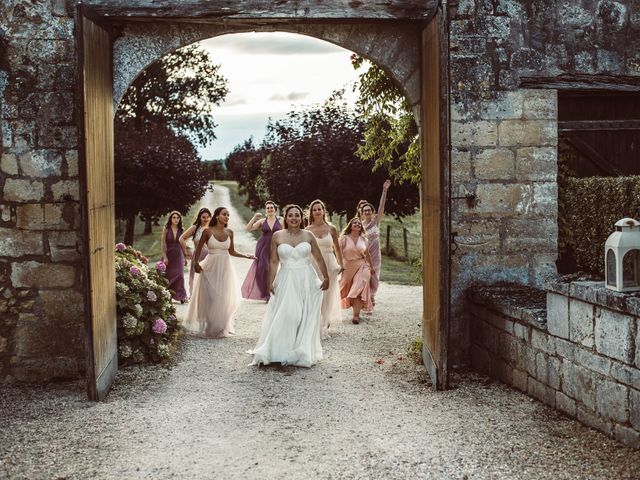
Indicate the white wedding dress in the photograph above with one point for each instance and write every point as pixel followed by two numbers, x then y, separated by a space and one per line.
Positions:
pixel 291 326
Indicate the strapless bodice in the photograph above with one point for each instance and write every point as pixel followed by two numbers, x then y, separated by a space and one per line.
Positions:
pixel 325 243
pixel 297 256
pixel 216 247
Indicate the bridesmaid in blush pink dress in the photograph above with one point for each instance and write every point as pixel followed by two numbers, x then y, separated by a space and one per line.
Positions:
pixel 327 238
pixel 216 295
pixel 355 283
pixel 255 283
pixel 371 224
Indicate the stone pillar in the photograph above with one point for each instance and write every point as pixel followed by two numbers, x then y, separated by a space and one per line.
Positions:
pixel 42 333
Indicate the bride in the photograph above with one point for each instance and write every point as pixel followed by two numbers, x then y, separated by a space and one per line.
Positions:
pixel 290 331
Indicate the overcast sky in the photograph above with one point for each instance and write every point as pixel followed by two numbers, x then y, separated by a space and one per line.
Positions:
pixel 270 74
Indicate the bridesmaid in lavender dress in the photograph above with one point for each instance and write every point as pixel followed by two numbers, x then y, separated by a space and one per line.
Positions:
pixel 173 256
pixel 200 224
pixel 255 283
pixel 371 225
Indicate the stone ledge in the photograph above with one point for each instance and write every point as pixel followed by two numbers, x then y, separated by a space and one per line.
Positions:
pixel 527 304
pixel 596 293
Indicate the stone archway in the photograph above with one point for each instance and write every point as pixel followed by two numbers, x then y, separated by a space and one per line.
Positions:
pixel 142 44
pixel 411 51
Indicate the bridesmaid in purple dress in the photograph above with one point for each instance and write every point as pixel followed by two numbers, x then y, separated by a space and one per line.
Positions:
pixel 255 284
pixel 173 256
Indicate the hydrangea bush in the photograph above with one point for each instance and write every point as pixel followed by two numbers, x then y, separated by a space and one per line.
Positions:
pixel 148 329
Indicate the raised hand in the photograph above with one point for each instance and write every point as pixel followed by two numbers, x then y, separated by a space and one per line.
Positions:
pixel 257 215
pixel 386 184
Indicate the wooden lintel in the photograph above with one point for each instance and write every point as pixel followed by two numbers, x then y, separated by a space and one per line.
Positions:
pixel 582 125
pixel 619 83
pixel 206 10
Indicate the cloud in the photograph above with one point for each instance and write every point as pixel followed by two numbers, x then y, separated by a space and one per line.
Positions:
pixel 277 43
pixel 290 97
pixel 233 100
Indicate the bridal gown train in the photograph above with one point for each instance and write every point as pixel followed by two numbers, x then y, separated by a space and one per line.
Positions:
pixel 290 331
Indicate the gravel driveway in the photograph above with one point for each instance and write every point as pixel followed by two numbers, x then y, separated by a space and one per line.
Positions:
pixel 366 411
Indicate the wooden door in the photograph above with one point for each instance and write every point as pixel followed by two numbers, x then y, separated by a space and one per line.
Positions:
pixel 435 200
pixel 98 200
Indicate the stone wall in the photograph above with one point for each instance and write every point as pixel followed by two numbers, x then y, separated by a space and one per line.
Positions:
pixel 579 353
pixel 504 136
pixel 41 298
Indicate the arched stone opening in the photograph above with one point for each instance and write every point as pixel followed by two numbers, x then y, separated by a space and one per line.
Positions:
pixel 113 50
pixel 140 45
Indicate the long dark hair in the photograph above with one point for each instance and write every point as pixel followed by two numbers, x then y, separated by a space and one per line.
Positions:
pixel 168 224
pixel 291 207
pixel 197 222
pixel 214 218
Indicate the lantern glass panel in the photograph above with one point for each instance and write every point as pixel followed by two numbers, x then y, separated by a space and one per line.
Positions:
pixel 630 265
pixel 611 268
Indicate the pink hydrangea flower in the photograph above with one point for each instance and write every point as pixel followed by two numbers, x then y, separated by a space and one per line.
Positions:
pixel 160 266
pixel 120 246
pixel 159 326
pixel 144 259
pixel 135 271
pixel 171 318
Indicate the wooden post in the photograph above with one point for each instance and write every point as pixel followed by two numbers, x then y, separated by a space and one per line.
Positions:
pixel 387 248
pixel 405 240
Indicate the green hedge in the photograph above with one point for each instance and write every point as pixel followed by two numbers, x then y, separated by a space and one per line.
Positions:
pixel 587 210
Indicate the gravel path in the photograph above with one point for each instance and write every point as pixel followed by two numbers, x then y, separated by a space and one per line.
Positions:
pixel 366 411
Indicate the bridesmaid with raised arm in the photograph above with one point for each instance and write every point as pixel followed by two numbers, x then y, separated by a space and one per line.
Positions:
pixel 254 286
pixel 173 256
pixel 355 283
pixel 194 232
pixel 216 295
pixel 371 225
pixel 327 238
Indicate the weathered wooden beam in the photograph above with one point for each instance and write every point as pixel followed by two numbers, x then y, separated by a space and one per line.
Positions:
pixel 620 83
pixel 264 9
pixel 582 125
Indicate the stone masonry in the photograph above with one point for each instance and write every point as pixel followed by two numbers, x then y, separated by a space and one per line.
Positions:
pixel 42 332
pixel 579 353
pixel 504 132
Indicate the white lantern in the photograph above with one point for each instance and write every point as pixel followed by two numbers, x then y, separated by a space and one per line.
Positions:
pixel 622 257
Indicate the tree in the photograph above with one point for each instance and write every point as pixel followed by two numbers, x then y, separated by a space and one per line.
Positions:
pixel 312 154
pixel 176 95
pixel 156 171
pixel 391 136
pixel 180 90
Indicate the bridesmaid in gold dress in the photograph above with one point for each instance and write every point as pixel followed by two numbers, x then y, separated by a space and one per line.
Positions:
pixel 355 283
pixel 327 238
